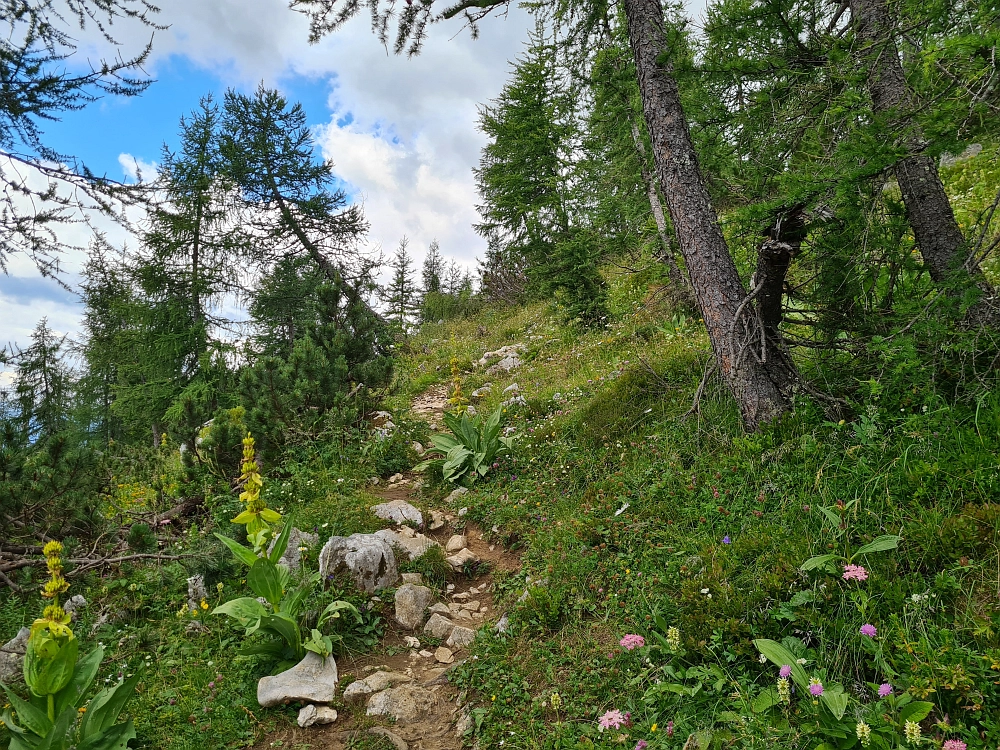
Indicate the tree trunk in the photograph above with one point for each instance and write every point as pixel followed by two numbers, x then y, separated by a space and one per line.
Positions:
pixel 682 284
pixel 928 209
pixel 755 366
pixel 783 241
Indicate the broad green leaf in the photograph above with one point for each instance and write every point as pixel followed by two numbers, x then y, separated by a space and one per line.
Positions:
pixel 879 544
pixel 83 677
pixel 31 718
pixel 101 718
pixel 265 581
pixel 244 555
pixel 114 738
pixel 242 610
pixel 48 675
pixel 916 711
pixel 836 700
pixel 818 561
pixel 245 517
pixel 285 627
pixel 767 699
pixel 832 517
pixel 779 655
pixel 333 610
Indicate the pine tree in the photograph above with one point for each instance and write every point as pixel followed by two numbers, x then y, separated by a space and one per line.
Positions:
pixel 433 269
pixel 401 294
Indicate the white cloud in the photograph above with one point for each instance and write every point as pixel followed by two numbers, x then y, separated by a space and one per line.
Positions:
pixel 136 169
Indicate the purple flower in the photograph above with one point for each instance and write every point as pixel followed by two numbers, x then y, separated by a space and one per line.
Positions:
pixel 641 745
pixel 632 641
pixel 868 630
pixel 884 690
pixel 815 687
pixel 785 671
pixel 611 720
pixel 726 539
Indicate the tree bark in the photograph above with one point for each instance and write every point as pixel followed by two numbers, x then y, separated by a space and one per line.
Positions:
pixel 782 244
pixel 755 366
pixel 674 273
pixel 928 209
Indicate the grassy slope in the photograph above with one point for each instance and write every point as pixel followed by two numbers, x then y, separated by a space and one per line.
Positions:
pixel 602 431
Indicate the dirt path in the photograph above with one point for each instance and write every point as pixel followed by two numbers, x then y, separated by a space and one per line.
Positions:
pixel 438 728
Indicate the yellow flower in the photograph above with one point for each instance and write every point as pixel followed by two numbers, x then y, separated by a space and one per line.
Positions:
pixel 82 709
pixel 52 549
pixel 204 604
pixel 652 728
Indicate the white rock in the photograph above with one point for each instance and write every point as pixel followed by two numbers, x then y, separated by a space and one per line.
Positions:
pixel 417 448
pixel 399 511
pixel 427 654
pixel 515 401
pixel 444 655
pixel 12 656
pixel 381 680
pixel 503 624
pixel 196 592
pixel 411 642
pixel 456 493
pixel 440 608
pixel 462 595
pixel 456 543
pixel 463 614
pixel 438 626
pixel 414 544
pixel 411 603
pixel 472 606
pixel 415 578
pixel 481 392
pixel 312 680
pixel 461 637
pixel 512 388
pixel 395 478
pixel 403 703
pixel 356 692
pixel 292 558
pixel 368 558
pixel 437 520
pixel 457 561
pixel 462 511
pixel 310 715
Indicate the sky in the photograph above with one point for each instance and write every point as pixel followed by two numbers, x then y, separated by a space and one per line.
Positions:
pixel 401 131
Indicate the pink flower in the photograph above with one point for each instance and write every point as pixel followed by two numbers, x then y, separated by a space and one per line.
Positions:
pixel 632 641
pixel 954 745
pixel 855 573
pixel 785 671
pixel 815 687
pixel 884 690
pixel 868 630
pixel 641 745
pixel 670 729
pixel 611 720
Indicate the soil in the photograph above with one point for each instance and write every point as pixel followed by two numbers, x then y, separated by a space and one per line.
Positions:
pixel 436 730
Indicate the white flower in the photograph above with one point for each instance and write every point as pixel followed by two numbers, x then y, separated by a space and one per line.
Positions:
pixel 762 659
pixel 704 591
pixel 800 661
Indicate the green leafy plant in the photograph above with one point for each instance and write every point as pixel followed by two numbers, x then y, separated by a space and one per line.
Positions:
pixel 56 715
pixel 469 452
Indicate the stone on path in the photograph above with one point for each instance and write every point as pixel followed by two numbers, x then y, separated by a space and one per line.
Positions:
pixel 456 543
pixel 310 715
pixel 461 637
pixel 455 494
pixel 359 690
pixel 411 603
pixel 368 558
pixel 414 578
pixel 438 626
pixel 444 655
pixel 441 609
pixel 458 560
pixel 403 703
pixel 415 544
pixel 312 680
pixel 437 520
pixel 399 511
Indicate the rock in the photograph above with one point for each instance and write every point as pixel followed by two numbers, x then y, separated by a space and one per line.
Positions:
pixel 403 703
pixel 76 603
pixel 411 642
pixel 381 680
pixel 479 393
pixel 503 353
pixel 12 656
pixel 455 494
pixel 456 543
pixel 368 558
pixel 399 511
pixel 458 561
pixel 515 401
pixel 196 626
pixel 414 578
pixel 463 614
pixel 411 603
pixel 396 478
pixel 417 448
pixel 309 715
pixel 357 692
pixel 472 606
pixel 464 723
pixel 974 149
pixel 444 655
pixel 414 544
pixel 502 624
pixel 512 388
pixel 196 592
pixel 461 637
pixel 440 608
pixel 380 418
pixel 508 363
pixel 427 654
pixel 477 615
pixel 438 626
pixel 462 595
pixel 293 552
pixel 312 680
pixel 462 511
pixel 437 520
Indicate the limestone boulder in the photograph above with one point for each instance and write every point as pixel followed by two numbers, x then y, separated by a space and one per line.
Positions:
pixel 368 558
pixel 456 543
pixel 411 604
pixel 414 544
pixel 439 626
pixel 460 558
pixel 399 511
pixel 461 637
pixel 403 703
pixel 312 680
pixel 12 656
pixel 297 540
pixel 311 715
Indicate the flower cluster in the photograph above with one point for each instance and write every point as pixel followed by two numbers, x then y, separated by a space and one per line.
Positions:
pixel 864 733
pixel 632 641
pixel 815 687
pixel 953 745
pixel 911 730
pixel 855 573
pixel 673 639
pixel 868 630
pixel 54 618
pixel 613 719
pixel 784 690
pixel 257 517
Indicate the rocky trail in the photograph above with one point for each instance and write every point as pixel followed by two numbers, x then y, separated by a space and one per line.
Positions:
pixel 402 693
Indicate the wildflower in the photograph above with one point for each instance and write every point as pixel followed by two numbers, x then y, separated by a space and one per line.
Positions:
pixel 204 604
pixel 815 687
pixel 641 745
pixel 855 573
pixel 784 690
pixel 762 659
pixel 911 730
pixel 555 700
pixel 868 630
pixel 611 720
pixel 800 661
pixel 632 641
pixel 864 733
pixel 884 690
pixel 953 745
pixel 653 728
pixel 673 639
pixel 670 729
pixel 785 671
pixel 726 539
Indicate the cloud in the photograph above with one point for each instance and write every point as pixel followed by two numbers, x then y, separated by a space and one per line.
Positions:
pixel 138 170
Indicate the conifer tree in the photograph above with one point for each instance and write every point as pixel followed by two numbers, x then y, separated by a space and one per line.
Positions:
pixel 433 269
pixel 401 295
